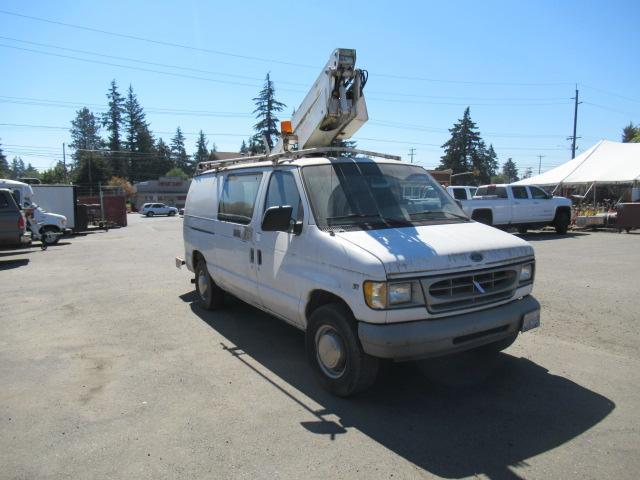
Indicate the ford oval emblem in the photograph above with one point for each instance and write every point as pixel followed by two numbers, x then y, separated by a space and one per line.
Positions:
pixel 476 256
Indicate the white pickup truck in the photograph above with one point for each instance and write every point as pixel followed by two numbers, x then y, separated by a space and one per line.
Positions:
pixel 518 206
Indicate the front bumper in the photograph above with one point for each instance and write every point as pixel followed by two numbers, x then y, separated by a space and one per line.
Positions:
pixel 430 338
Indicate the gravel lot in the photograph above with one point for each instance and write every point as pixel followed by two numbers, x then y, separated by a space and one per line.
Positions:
pixel 107 370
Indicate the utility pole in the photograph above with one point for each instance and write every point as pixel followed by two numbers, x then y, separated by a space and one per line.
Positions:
pixel 64 163
pixel 575 125
pixel 540 157
pixel 412 152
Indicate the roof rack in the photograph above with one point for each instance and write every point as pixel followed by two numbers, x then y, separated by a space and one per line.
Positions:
pixel 276 158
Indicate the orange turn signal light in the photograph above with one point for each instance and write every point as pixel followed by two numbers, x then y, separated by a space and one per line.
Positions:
pixel 285 127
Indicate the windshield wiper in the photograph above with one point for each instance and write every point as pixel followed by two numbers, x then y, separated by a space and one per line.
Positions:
pixel 353 216
pixel 440 212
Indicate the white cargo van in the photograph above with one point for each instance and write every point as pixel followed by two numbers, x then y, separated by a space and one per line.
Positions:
pixel 369 256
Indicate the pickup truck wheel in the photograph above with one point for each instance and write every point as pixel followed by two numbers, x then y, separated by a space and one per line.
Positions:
pixel 210 295
pixel 562 222
pixel 335 353
pixel 50 235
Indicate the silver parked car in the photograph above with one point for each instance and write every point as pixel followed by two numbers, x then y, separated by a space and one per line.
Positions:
pixel 151 209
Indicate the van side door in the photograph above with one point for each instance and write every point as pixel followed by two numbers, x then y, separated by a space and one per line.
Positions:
pixel 280 255
pixel 235 255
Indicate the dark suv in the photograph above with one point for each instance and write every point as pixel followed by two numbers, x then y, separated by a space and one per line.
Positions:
pixel 12 221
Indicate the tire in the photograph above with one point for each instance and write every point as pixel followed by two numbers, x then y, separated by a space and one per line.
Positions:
pixel 561 222
pixel 210 295
pixel 50 235
pixel 482 217
pixel 522 230
pixel 335 353
pixel 171 213
pixel 150 214
pixel 493 349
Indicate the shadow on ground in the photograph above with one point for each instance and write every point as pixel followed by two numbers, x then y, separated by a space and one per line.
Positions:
pixel 453 417
pixel 9 264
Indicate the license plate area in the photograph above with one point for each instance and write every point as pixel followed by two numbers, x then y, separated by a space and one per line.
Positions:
pixel 530 320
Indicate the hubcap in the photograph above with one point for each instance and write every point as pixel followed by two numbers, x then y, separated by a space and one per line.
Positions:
pixel 203 284
pixel 330 351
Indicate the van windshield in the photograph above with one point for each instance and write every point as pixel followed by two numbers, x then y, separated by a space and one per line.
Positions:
pixel 377 195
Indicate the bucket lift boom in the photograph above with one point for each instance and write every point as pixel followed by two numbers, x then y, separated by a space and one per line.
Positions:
pixel 334 108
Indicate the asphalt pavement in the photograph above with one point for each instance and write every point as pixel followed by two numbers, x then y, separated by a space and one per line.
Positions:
pixel 109 370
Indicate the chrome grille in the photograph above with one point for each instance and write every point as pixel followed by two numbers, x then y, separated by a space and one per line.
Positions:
pixel 469 290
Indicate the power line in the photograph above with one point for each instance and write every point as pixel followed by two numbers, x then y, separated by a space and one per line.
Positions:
pixel 157 42
pixel 137 60
pixel 270 60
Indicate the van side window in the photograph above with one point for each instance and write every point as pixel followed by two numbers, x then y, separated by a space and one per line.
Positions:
pixel 520 192
pixel 239 197
pixel 282 190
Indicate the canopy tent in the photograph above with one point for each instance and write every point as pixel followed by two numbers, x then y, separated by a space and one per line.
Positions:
pixel 605 163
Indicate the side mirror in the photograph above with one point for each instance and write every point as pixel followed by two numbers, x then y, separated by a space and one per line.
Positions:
pixel 277 219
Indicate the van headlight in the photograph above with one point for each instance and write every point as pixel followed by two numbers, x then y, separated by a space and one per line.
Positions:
pixel 526 273
pixel 382 295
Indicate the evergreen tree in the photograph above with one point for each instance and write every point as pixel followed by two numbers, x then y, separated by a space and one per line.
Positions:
pixel 4 165
pixel 202 153
pixel 92 171
pixel 56 174
pixel 510 171
pixel 466 151
pixel 31 172
pixel 17 168
pixel 243 148
pixel 113 121
pixel 139 139
pixel 164 162
pixel 266 108
pixel 630 132
pixel 179 153
pixel 85 134
pixel 345 144
pixel 527 173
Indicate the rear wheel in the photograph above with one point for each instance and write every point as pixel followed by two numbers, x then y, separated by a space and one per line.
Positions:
pixel 210 295
pixel 562 221
pixel 171 213
pixel 335 353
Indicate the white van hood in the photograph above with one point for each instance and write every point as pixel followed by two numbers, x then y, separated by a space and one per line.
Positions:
pixel 436 248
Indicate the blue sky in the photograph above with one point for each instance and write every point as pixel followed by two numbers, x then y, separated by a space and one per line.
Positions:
pixel 514 63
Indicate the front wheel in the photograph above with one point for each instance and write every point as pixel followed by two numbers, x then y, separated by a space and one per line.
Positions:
pixel 335 353
pixel 50 235
pixel 562 222
pixel 149 214
pixel 210 295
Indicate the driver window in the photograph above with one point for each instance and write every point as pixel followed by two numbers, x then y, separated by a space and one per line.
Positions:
pixel 538 193
pixel 282 190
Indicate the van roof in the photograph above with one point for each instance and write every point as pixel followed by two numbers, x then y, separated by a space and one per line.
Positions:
pixel 304 162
